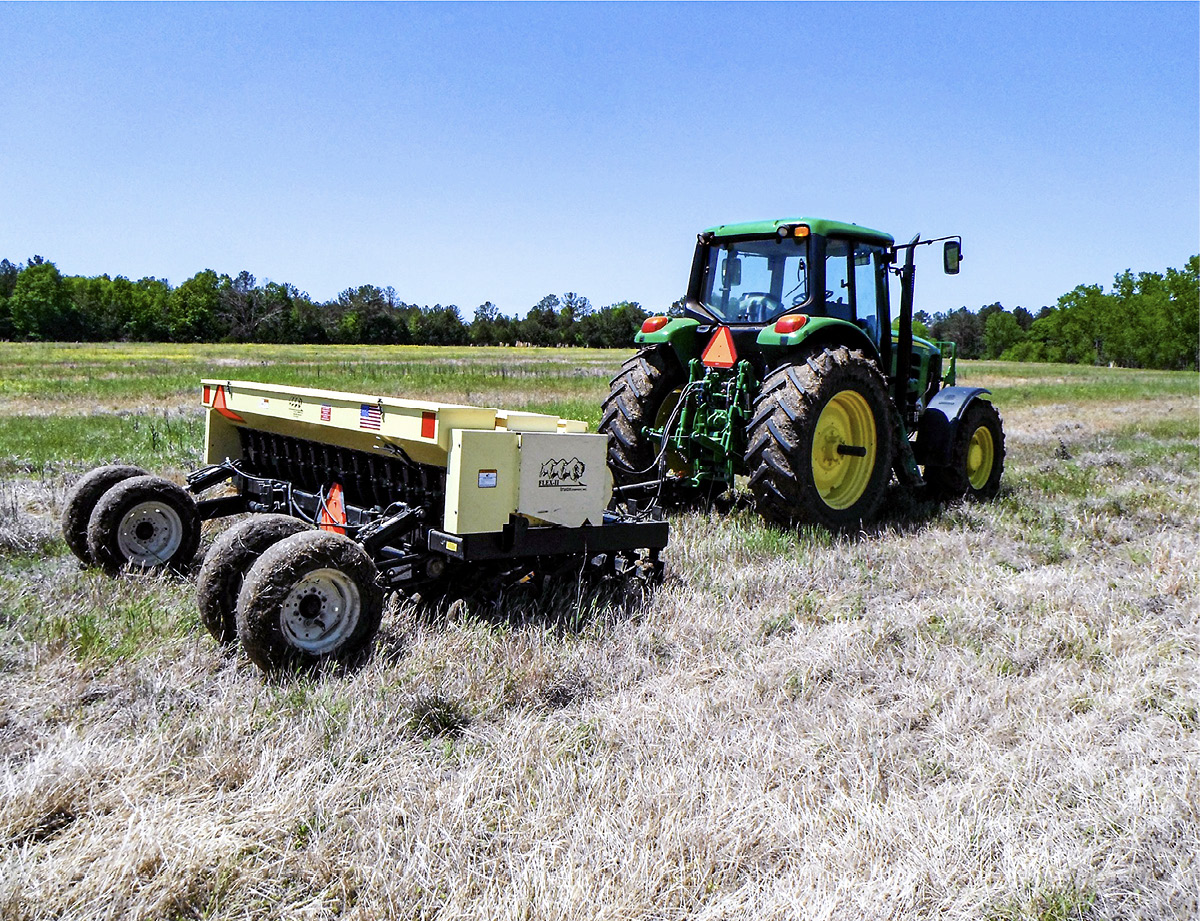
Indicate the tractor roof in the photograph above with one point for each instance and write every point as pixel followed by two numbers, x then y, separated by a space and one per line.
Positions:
pixel 818 225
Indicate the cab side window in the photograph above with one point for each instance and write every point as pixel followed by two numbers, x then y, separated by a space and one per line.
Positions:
pixel 868 272
pixel 838 295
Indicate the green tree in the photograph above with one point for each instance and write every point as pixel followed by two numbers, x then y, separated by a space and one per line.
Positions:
pixel 540 326
pixel 612 327
pixel 963 328
pixel 918 327
pixel 40 306
pixel 8 282
pixel 1001 332
pixel 1181 346
pixel 195 312
pixel 572 309
pixel 151 311
pixel 486 327
pixel 439 325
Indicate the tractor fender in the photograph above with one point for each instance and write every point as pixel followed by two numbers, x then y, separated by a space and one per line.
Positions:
pixel 939 422
pixel 818 330
pixel 680 333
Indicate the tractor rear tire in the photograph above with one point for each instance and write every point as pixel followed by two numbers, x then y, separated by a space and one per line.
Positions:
pixel 976 457
pixel 225 567
pixel 313 597
pixel 640 396
pixel 82 500
pixel 820 441
pixel 145 522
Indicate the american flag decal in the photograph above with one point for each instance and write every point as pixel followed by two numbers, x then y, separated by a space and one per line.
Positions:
pixel 370 417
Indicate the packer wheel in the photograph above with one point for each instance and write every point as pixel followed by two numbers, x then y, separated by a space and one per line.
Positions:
pixel 226 564
pixel 82 500
pixel 312 597
pixel 145 522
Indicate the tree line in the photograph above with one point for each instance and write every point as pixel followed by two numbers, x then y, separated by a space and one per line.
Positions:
pixel 1146 320
pixel 38 303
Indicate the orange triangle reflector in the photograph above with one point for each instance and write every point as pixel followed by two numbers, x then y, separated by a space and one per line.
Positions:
pixel 720 352
pixel 220 406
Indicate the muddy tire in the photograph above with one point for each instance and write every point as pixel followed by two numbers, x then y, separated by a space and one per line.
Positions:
pixel 820 441
pixel 82 500
pixel 641 395
pixel 976 457
pixel 225 567
pixel 145 522
pixel 311 598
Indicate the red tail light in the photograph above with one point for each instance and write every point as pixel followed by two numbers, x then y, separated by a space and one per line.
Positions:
pixel 790 323
pixel 654 324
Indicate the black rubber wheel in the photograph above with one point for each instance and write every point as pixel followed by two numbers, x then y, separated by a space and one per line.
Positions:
pixel 226 565
pixel 145 522
pixel 641 395
pixel 311 598
pixel 976 456
pixel 82 500
pixel 820 442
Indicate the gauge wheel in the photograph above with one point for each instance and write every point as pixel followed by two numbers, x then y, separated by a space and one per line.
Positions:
pixel 144 522
pixel 820 441
pixel 311 598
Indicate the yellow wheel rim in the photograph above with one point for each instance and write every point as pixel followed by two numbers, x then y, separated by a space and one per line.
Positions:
pixel 675 460
pixel 846 422
pixel 981 457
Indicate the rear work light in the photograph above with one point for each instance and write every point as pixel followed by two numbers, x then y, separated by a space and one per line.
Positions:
pixel 790 323
pixel 654 324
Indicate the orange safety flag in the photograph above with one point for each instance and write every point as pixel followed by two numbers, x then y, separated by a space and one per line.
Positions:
pixel 720 352
pixel 333 511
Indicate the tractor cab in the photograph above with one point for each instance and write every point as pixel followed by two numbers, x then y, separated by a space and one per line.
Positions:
pixel 766 280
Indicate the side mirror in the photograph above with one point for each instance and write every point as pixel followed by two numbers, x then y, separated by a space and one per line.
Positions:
pixel 951 256
pixel 733 272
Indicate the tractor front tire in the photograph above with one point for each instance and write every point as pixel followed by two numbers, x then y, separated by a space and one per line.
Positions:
pixel 82 501
pixel 313 597
pixel 820 441
pixel 976 457
pixel 225 567
pixel 145 522
pixel 642 395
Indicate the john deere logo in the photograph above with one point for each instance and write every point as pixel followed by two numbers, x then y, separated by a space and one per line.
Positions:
pixel 562 474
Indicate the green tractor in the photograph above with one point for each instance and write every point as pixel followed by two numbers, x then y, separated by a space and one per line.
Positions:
pixel 786 369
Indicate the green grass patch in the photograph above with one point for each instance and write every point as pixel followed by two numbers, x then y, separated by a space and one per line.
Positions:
pixel 37 445
pixel 1016 384
pixel 133 625
pixel 1068 902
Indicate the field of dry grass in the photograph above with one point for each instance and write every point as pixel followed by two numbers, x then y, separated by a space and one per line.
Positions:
pixel 978 712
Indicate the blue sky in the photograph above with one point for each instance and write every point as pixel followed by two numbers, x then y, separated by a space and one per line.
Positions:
pixel 464 153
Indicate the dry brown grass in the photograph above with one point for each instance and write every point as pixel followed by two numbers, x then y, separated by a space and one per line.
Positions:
pixel 987 712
